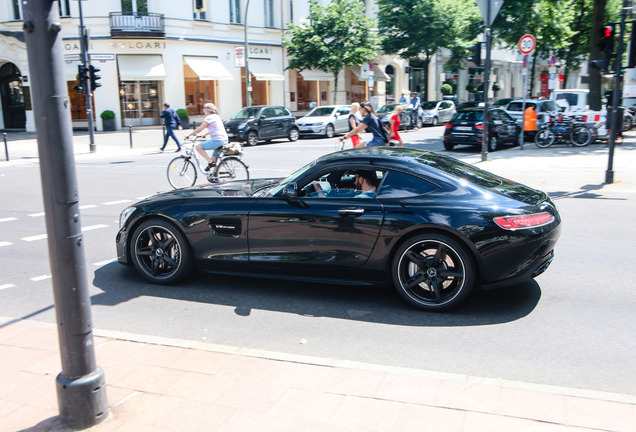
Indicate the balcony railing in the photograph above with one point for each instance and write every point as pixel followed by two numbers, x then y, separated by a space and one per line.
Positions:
pixel 136 25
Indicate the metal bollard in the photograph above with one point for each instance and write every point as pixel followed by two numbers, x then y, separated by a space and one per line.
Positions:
pixel 6 148
pixel 130 135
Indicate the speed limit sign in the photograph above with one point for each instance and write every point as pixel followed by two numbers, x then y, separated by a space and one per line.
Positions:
pixel 527 43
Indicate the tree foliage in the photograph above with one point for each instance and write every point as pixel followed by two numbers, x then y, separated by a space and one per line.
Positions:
pixel 337 35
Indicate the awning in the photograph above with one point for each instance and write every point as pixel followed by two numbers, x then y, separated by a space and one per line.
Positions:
pixel 265 71
pixel 140 67
pixel 378 73
pixel 316 75
pixel 208 68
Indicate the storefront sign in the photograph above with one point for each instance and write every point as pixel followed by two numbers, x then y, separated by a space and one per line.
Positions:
pixel 239 57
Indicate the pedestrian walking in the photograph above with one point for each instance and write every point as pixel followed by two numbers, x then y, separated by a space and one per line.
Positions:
pixel 415 104
pixel 354 120
pixel 218 135
pixel 171 121
pixel 394 123
pixel 370 123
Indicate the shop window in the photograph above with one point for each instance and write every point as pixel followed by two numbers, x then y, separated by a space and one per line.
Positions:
pixel 140 102
pixel 198 92
pixel 259 95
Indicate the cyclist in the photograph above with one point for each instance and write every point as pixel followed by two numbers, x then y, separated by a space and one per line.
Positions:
pixel 218 135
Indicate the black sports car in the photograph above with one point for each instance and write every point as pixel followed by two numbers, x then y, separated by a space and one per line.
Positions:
pixel 434 227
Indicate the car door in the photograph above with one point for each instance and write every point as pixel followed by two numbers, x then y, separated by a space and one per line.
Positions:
pixel 342 121
pixel 267 123
pixel 444 112
pixel 498 126
pixel 334 231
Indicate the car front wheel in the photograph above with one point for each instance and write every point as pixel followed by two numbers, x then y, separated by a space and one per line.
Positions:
pixel 160 252
pixel 293 134
pixel 432 272
pixel 252 138
pixel 329 131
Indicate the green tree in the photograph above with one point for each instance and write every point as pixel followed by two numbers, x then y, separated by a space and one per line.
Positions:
pixel 337 35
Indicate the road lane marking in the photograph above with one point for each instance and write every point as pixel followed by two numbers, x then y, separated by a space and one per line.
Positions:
pixel 103 263
pixel 8 219
pixel 34 238
pixel 5 286
pixel 40 278
pixel 117 202
pixel 86 228
pixel 87 206
pixel 5 243
pixel 37 214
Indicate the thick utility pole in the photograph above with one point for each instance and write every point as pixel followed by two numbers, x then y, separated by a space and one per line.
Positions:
pixel 81 388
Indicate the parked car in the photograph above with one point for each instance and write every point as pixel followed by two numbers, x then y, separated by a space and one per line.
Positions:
pixel 436 228
pixel 501 103
pixel 469 104
pixel 544 107
pixel 265 122
pixel 467 128
pixel 325 120
pixel 385 111
pixel 436 112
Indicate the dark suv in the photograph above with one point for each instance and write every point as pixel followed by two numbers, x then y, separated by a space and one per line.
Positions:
pixel 258 123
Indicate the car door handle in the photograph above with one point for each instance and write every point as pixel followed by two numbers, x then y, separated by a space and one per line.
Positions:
pixel 351 211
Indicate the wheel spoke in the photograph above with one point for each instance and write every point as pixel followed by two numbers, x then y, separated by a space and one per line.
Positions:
pixel 436 288
pixel 145 251
pixel 449 274
pixel 417 259
pixel 415 280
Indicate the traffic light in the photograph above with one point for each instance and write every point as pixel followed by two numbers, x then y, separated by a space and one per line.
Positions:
pixel 606 47
pixel 94 77
pixel 82 77
pixel 475 54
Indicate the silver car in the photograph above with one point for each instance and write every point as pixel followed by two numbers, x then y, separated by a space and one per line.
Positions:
pixel 436 112
pixel 326 120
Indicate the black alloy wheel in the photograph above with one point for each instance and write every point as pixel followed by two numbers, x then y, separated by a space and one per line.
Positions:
pixel 433 272
pixel 160 252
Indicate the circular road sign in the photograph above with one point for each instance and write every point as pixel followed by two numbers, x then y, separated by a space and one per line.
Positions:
pixel 527 44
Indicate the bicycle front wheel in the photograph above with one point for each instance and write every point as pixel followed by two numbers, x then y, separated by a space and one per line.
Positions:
pixel 581 136
pixel 231 168
pixel 181 173
pixel 544 138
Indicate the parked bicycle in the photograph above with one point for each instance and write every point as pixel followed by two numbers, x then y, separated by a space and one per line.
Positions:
pixel 182 170
pixel 570 130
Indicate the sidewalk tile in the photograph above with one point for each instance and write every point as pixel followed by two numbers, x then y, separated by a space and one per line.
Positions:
pixel 199 387
pixel 151 379
pixel 353 382
pixel 420 418
pixel 252 396
pixel 532 405
pixel 366 414
pixel 143 407
pixel 193 416
pixel 596 414
pixel 412 389
pixel 468 396
pixel 308 405
pixel 205 362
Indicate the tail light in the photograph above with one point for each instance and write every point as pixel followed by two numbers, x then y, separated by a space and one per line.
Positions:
pixel 448 126
pixel 479 126
pixel 534 220
pixel 584 119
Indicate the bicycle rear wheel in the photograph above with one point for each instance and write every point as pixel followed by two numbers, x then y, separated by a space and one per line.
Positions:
pixel 231 168
pixel 544 138
pixel 181 173
pixel 581 135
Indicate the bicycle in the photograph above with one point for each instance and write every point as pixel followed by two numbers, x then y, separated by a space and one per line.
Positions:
pixel 182 170
pixel 570 130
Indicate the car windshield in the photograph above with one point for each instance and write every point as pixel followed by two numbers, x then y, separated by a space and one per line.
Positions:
pixel 247 113
pixel 474 116
pixel 320 112
pixel 292 178
pixel 386 108
pixel 429 105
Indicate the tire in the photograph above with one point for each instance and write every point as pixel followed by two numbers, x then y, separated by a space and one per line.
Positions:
pixel 449 146
pixel 181 173
pixel 329 131
pixel 408 122
pixel 419 123
pixel 160 252
pixel 544 138
pixel 293 134
pixel 628 122
pixel 231 168
pixel 432 272
pixel 581 136
pixel 493 143
pixel 435 121
pixel 252 138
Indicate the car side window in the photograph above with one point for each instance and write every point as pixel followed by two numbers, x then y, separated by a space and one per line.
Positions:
pixel 339 184
pixel 279 112
pixel 268 112
pixel 495 115
pixel 400 185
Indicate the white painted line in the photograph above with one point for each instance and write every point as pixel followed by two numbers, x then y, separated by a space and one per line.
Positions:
pixel 39 278
pixel 117 202
pixel 9 219
pixel 87 206
pixel 5 244
pixel 5 286
pixel 34 238
pixel 103 263
pixel 94 227
pixel 37 214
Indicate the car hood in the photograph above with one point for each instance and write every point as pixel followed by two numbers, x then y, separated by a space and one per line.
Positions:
pixel 239 188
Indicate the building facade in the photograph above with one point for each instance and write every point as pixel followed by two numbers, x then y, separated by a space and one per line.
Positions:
pixel 192 52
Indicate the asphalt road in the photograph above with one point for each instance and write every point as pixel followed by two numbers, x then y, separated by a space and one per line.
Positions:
pixel 573 326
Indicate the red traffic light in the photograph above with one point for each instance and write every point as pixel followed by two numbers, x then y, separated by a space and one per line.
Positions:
pixel 608 31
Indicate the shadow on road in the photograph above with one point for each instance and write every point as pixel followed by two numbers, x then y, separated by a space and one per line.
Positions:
pixel 368 304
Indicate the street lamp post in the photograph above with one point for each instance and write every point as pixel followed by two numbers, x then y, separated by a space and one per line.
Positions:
pixel 248 81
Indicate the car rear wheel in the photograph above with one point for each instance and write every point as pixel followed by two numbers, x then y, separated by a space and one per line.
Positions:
pixel 160 252
pixel 449 146
pixel 293 134
pixel 432 272
pixel 329 131
pixel 252 138
pixel 493 143
pixel 435 121
pixel 419 123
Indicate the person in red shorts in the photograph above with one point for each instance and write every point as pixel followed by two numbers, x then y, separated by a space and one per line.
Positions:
pixel 394 126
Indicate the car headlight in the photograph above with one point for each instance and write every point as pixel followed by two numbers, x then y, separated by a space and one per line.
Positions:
pixel 123 217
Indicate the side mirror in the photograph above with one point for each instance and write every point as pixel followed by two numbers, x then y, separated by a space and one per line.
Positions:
pixel 290 191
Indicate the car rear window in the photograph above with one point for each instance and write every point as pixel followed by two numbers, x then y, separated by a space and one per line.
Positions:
pixel 460 170
pixel 469 116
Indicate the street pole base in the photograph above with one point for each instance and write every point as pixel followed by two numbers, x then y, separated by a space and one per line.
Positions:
pixel 609 176
pixel 82 401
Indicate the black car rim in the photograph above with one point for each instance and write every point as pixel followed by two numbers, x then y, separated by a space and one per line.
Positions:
pixel 158 252
pixel 431 272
